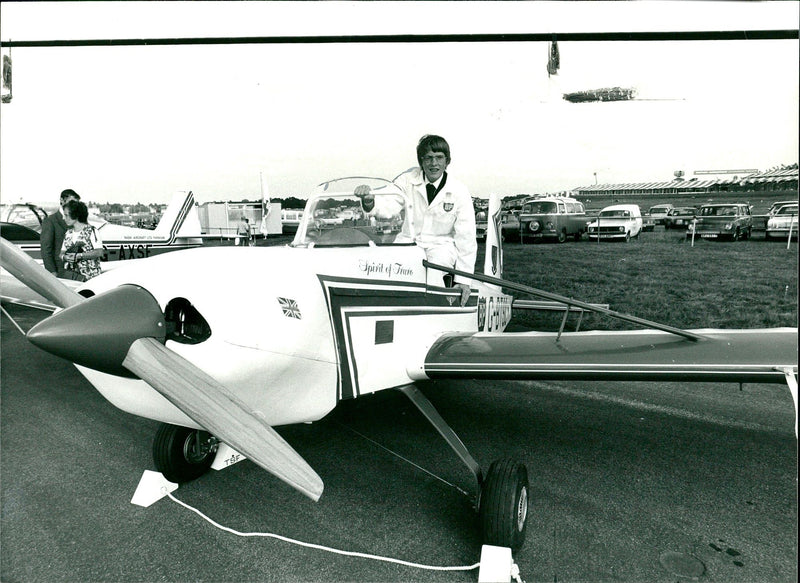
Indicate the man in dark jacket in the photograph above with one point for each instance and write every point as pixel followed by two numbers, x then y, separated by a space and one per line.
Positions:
pixel 53 229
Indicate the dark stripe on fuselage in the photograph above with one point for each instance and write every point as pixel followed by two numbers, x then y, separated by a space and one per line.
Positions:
pixel 389 298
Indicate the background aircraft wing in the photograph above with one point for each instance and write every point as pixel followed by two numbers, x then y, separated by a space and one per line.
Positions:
pixel 13 291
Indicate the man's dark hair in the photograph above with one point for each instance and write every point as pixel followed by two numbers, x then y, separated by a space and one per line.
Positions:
pixel 434 144
pixel 77 211
pixel 69 193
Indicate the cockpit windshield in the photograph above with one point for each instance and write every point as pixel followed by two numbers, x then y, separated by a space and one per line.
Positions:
pixel 355 212
pixel 23 214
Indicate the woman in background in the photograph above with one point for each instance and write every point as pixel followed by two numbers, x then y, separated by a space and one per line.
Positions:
pixel 82 247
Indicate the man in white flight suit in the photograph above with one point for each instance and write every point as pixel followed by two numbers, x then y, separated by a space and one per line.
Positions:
pixel 444 217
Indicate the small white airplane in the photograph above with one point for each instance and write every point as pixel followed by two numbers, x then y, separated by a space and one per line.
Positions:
pixel 179 228
pixel 350 308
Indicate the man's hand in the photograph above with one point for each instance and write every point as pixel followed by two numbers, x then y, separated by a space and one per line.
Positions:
pixel 465 292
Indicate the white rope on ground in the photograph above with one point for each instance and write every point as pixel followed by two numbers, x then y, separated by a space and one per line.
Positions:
pixel 321 547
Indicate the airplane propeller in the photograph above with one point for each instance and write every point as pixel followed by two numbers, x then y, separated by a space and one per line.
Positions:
pixel 24 268
pixel 95 333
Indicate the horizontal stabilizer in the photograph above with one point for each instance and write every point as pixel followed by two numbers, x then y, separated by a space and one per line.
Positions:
pixel 222 413
pixel 759 356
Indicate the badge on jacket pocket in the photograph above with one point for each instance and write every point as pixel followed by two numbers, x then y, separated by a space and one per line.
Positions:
pixel 447 205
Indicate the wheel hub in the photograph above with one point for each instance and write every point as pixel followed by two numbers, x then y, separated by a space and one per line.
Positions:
pixel 197 447
pixel 522 509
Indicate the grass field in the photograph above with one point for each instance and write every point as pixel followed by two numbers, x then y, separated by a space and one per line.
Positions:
pixel 662 277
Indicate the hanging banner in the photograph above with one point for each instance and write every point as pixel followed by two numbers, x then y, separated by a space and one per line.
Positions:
pixel 554 60
pixel 5 95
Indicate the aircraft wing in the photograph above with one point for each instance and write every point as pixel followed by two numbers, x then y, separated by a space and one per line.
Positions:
pixel 13 291
pixel 761 356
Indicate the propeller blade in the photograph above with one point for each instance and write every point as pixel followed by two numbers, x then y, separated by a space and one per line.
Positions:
pixel 222 413
pixel 24 268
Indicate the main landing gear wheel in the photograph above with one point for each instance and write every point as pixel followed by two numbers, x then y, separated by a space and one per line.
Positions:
pixel 503 510
pixel 183 454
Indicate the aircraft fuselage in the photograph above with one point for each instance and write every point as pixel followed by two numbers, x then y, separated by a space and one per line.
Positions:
pixel 304 329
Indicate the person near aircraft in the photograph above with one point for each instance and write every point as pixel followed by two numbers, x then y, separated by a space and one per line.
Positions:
pixel 444 216
pixel 53 229
pixel 82 247
pixel 244 232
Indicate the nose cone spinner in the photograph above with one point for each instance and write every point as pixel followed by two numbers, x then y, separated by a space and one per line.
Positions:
pixel 98 332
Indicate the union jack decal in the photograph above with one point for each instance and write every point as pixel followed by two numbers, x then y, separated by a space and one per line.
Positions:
pixel 290 308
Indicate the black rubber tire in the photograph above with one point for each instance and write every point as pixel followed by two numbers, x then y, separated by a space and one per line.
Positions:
pixel 562 236
pixel 175 454
pixel 503 508
pixel 578 235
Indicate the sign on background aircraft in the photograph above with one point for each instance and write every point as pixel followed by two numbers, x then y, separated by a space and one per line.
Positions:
pixel 179 228
pixel 349 309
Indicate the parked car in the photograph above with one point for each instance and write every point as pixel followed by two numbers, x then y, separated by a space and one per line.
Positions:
pixel 783 222
pixel 555 217
pixel 680 217
pixel 658 212
pixel 509 225
pixel 619 221
pixel 775 207
pixel 731 221
pixel 481 225
pixel 760 221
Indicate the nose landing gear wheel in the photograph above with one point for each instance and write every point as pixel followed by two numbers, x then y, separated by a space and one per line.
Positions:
pixel 183 454
pixel 503 510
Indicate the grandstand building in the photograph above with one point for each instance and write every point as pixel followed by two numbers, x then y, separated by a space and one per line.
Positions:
pixel 779 179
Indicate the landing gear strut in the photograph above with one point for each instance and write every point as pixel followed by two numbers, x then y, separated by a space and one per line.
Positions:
pixel 501 497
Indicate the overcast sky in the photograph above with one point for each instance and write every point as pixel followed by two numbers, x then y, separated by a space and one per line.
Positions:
pixel 134 124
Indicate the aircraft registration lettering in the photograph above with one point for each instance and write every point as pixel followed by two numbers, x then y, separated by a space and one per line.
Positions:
pixel 494 313
pixel 128 252
pixel 386 269
pixel 234 458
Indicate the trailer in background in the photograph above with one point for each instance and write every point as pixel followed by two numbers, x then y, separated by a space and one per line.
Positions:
pixel 222 218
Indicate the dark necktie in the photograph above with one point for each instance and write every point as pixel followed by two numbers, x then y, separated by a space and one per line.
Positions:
pixel 431 192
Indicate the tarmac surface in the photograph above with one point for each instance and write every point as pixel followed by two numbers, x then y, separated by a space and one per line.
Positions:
pixel 628 482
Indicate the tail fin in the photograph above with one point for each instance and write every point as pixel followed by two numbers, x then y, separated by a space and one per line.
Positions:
pixel 181 218
pixel 493 262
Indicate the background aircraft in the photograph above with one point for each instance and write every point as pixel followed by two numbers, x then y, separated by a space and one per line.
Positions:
pixel 179 228
pixel 351 308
